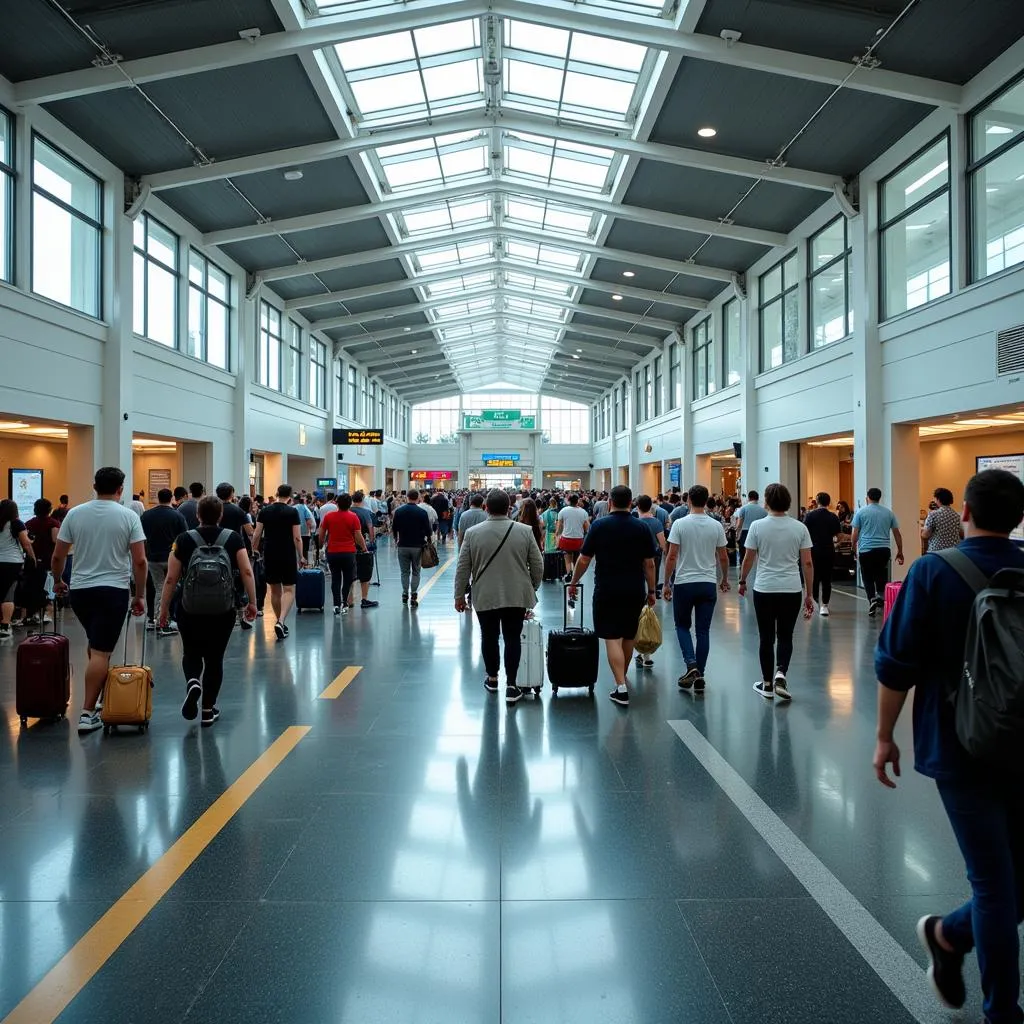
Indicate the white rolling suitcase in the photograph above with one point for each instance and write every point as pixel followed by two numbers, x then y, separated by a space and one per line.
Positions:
pixel 531 667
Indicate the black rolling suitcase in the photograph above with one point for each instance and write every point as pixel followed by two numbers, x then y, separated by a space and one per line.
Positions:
pixel 573 652
pixel 554 566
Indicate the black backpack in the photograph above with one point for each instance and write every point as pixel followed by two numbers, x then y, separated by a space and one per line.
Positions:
pixel 209 584
pixel 989 699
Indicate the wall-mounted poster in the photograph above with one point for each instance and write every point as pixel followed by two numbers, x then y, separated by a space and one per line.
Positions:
pixel 1012 464
pixel 158 479
pixel 25 486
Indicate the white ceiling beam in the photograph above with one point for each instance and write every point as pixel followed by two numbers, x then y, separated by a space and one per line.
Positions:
pixel 355 319
pixel 509 121
pixel 330 31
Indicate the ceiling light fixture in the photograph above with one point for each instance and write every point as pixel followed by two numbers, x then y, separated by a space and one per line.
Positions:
pixel 575 356
pixel 707 133
pixel 616 298
pixel 407 329
pixel 412 351
pixel 998 129
pixel 628 273
pixel 293 175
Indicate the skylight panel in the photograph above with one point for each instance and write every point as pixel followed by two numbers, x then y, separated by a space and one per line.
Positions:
pixel 446 216
pixel 420 171
pixel 427 219
pixel 568 170
pixel 463 161
pixel 456 35
pixel 452 81
pixel 590 91
pixel 455 254
pixel 538 38
pixel 533 80
pixel 530 282
pixel 471 212
pixel 376 51
pixel 533 252
pixel 458 284
pixel 434 161
pixel 609 53
pixel 403 90
pixel 547 215
pixel 586 168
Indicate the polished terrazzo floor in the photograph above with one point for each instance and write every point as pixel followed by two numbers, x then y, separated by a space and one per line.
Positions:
pixel 425 855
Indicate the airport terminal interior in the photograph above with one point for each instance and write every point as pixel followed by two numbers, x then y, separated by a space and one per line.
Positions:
pixel 456 245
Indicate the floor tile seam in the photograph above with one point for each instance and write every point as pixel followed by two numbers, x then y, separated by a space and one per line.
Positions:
pixel 306 825
pixel 705 964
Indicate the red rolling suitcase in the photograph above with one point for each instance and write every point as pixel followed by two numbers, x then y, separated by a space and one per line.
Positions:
pixel 43 675
pixel 573 652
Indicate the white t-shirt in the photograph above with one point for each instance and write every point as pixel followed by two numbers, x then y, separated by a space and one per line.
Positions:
pixel 778 541
pixel 326 509
pixel 101 533
pixel 137 507
pixel 431 512
pixel 572 520
pixel 699 537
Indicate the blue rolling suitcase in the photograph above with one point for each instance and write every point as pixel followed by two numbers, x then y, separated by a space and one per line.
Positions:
pixel 310 590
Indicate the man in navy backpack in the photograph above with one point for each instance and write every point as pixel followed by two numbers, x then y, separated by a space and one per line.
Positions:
pixel 922 646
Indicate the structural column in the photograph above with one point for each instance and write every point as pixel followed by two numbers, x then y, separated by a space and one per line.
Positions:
pixel 246 333
pixel 119 350
pixel 905 501
pixel 751 464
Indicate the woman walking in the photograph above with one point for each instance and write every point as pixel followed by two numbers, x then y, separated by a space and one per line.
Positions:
pixel 205 635
pixel 344 536
pixel 528 517
pixel 781 546
pixel 15 548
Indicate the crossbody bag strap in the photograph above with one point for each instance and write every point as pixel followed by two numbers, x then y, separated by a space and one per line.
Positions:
pixel 487 564
pixel 965 568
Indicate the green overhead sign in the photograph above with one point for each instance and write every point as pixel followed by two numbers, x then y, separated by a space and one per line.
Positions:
pixel 500 419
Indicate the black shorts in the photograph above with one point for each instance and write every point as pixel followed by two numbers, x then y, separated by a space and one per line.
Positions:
pixel 282 569
pixel 617 618
pixel 364 566
pixel 102 611
pixel 10 573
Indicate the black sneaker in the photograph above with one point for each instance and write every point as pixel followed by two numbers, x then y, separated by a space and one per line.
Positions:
pixel 405 598
pixel 699 685
pixel 193 694
pixel 337 609
pixel 210 715
pixel 513 694
pixel 767 690
pixel 414 600
pixel 281 630
pixel 873 607
pixel 946 970
pixel 491 685
pixel 369 604
pixel 686 681
pixel 246 624
pixel 621 697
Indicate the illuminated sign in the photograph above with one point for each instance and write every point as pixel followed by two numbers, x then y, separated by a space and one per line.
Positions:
pixel 504 456
pixel 431 474
pixel 357 436
pixel 500 463
pixel 499 419
pixel 324 483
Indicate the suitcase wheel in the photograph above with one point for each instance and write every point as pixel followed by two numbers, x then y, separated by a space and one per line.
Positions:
pixel 536 690
pixel 554 691
pixel 24 721
pixel 590 691
pixel 143 728
pixel 107 730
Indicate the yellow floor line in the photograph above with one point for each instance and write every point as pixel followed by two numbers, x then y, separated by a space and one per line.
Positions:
pixel 437 575
pixel 78 966
pixel 344 677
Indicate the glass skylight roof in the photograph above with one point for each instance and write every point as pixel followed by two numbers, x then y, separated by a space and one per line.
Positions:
pixel 448 215
pixel 455 285
pixel 459 309
pixel 565 260
pixel 566 164
pixel 406 75
pixel 441 160
pixel 534 307
pixel 536 213
pixel 528 281
pixel 455 255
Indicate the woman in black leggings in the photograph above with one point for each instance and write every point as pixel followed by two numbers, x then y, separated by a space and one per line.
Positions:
pixel 343 534
pixel 781 546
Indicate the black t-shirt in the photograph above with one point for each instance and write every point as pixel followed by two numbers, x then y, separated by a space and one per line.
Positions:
pixel 233 518
pixel 185 546
pixel 822 525
pixel 619 544
pixel 410 526
pixel 278 520
pixel 161 526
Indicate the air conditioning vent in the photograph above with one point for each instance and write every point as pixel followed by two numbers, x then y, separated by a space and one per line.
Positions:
pixel 1010 350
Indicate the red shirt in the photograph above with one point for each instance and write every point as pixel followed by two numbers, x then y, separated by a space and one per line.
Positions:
pixel 341 529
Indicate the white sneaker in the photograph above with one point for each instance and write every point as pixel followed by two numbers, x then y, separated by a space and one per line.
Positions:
pixel 781 687
pixel 89 721
pixel 823 611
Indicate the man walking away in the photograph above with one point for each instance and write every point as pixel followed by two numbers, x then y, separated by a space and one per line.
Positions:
pixel 922 646
pixel 871 527
pixel 236 519
pixel 161 524
pixel 823 525
pixel 307 525
pixel 697 545
pixel 472 516
pixel 62 509
pixel 601 506
pixel 942 528
pixel 277 525
pixel 502 561
pixel 653 522
pixel 624 549
pixel 364 564
pixel 745 518
pixel 110 549
pixel 190 507
pixel 410 528
pixel 431 514
pixel 443 507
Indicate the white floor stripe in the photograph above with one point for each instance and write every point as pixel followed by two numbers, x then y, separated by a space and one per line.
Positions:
pixel 886 957
pixel 847 593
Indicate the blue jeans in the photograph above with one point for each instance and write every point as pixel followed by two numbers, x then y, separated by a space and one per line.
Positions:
pixel 988 820
pixel 698 599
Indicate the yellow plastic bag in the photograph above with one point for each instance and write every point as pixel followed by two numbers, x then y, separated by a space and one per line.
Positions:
pixel 648 631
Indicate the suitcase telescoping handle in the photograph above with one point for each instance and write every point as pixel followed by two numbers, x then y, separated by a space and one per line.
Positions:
pixel 565 605
pixel 127 630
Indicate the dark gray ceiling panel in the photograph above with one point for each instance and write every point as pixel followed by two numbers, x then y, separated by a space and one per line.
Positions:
pixel 581 321
pixel 756 114
pixel 376 302
pixel 657 280
pixel 294 287
pixel 681 245
pixel 360 277
pixel 325 185
pixel 211 206
pixel 37 41
pixel 951 40
pixel 343 240
pixel 260 253
pixel 416 321
pixel 229 112
pixel 770 207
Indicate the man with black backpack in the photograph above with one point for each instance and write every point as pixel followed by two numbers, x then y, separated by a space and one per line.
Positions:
pixel 955 634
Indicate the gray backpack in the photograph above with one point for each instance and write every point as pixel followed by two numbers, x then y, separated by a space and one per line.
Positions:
pixel 209 584
pixel 989 699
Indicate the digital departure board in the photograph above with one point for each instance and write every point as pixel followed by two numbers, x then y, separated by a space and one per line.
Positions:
pixel 357 436
pixel 501 463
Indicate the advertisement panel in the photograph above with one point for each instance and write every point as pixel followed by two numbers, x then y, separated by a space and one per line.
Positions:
pixel 25 486
pixel 1012 464
pixel 499 419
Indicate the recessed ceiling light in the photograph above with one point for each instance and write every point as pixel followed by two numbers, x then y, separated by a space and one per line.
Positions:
pixel 407 329
pixel 412 351
pixel 998 129
pixel 579 350
pixel 992 188
pixel 707 133
pixel 616 298
pixel 293 175
pixel 575 356
pixel 628 273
